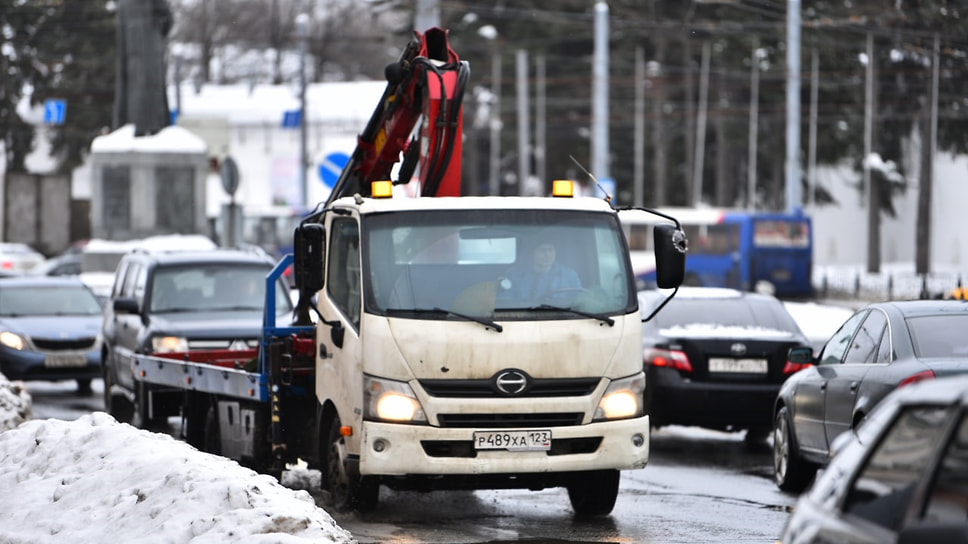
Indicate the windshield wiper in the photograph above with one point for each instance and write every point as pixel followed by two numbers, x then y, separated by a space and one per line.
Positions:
pixel 483 321
pixel 601 317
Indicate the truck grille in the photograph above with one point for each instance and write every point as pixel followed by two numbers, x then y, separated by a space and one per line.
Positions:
pixel 57 344
pixel 509 421
pixel 543 387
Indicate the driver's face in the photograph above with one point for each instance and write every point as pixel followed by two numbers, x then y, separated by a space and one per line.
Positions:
pixel 544 257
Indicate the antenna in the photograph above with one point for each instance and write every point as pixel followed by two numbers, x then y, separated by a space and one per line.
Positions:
pixel 608 197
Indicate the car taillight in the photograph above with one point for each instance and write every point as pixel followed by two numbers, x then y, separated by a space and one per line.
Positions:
pixel 6 265
pixel 915 378
pixel 793 368
pixel 667 358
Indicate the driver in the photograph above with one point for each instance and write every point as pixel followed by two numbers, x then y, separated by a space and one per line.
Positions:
pixel 542 279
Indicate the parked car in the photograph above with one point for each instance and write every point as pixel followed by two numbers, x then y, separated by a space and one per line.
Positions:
pixel 880 348
pixel 715 358
pixel 49 330
pixel 901 477
pixel 174 301
pixel 17 258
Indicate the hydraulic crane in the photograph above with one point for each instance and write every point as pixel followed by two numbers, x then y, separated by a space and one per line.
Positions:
pixel 427 84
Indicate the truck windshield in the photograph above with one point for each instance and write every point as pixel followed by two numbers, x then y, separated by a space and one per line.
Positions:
pixel 506 264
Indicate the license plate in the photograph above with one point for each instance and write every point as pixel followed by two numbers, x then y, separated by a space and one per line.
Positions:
pixel 62 360
pixel 531 440
pixel 749 366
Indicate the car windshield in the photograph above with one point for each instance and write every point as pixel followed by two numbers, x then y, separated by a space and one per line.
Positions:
pixel 28 300
pixel 710 316
pixel 213 287
pixel 506 263
pixel 937 336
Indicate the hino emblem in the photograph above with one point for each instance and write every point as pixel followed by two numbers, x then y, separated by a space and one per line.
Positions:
pixel 738 349
pixel 511 382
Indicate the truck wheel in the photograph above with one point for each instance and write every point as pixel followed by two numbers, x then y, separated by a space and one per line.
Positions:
pixel 212 442
pixel 594 493
pixel 790 471
pixel 140 418
pixel 347 489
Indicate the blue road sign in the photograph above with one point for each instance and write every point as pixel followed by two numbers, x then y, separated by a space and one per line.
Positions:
pixel 290 118
pixel 331 167
pixel 54 110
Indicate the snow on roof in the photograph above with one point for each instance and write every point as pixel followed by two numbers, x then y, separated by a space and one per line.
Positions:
pixel 87 479
pixel 345 100
pixel 171 139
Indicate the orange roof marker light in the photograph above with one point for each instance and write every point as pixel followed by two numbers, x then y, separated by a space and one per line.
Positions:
pixel 563 187
pixel 381 189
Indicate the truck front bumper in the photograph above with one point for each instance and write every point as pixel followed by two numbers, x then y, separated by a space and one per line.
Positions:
pixel 399 450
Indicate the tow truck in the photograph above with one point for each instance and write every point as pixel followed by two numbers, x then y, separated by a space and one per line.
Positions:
pixel 412 361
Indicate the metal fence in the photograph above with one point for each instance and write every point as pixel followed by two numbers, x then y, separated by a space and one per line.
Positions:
pixel 897 282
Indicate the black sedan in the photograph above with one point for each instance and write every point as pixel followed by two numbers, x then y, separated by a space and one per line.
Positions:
pixel 715 358
pixel 50 329
pixel 880 348
pixel 901 477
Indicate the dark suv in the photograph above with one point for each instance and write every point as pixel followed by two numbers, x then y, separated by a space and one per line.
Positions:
pixel 174 301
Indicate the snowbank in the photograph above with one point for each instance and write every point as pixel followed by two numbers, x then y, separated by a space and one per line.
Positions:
pixel 15 404
pixel 94 480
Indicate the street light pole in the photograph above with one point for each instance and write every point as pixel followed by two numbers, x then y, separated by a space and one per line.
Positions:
pixel 302 33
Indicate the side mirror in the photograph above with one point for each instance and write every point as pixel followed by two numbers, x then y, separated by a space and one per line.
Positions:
pixel 308 257
pixel 802 355
pixel 125 305
pixel 670 255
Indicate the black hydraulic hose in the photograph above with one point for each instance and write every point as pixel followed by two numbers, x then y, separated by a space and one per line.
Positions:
pixel 450 126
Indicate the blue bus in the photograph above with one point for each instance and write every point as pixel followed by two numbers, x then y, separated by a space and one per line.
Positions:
pixel 746 250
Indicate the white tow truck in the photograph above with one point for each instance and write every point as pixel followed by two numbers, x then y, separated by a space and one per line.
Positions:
pixel 417 357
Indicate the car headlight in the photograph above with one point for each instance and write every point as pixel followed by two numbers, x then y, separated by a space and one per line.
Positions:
pixel 12 340
pixel 168 344
pixel 390 400
pixel 622 399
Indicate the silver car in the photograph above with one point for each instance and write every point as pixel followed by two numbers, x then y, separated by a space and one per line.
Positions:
pixel 901 476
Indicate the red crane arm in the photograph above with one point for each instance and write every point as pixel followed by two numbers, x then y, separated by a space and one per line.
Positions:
pixel 426 84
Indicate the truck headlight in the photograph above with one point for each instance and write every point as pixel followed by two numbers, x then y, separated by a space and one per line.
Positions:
pixel 390 400
pixel 168 344
pixel 622 399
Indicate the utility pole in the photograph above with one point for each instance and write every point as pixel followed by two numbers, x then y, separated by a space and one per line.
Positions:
pixel 754 133
pixel 638 147
pixel 600 144
pixel 302 33
pixel 524 133
pixel 701 126
pixel 793 108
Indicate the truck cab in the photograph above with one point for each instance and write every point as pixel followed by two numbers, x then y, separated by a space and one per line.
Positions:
pixel 438 369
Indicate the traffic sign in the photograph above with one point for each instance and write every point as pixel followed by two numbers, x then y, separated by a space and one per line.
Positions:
pixel 230 176
pixel 54 110
pixel 331 167
pixel 291 118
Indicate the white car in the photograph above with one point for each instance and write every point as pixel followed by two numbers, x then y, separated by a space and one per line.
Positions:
pixel 17 258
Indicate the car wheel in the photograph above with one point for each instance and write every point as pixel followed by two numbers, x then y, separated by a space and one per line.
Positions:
pixel 790 471
pixel 347 489
pixel 115 404
pixel 84 386
pixel 594 493
pixel 756 437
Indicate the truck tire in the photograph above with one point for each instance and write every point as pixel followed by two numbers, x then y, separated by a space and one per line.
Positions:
pixel 791 472
pixel 140 418
pixel 347 489
pixel 594 493
pixel 212 443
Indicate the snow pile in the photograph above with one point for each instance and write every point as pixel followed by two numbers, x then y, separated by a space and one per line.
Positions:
pixel 94 478
pixel 15 404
